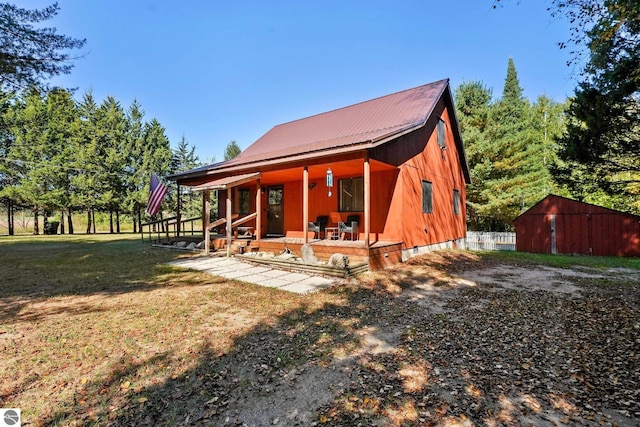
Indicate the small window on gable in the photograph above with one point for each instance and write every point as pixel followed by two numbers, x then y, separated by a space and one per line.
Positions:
pixel 442 140
pixel 244 203
pixel 456 202
pixel 427 197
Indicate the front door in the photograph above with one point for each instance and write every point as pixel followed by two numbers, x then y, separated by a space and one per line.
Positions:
pixel 275 211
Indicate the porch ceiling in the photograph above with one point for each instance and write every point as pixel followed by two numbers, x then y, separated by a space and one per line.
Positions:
pixel 353 167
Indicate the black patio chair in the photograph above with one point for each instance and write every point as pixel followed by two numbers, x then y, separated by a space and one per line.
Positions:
pixel 320 225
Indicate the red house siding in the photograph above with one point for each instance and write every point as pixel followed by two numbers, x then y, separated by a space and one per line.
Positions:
pixel 564 226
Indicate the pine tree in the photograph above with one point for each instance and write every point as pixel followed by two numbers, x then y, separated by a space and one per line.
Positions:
pixel 232 150
pixel 507 150
pixel 157 150
pixel 184 159
pixel 27 53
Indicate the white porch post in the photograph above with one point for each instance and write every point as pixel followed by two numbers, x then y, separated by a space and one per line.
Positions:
pixel 305 203
pixel 206 216
pixel 367 199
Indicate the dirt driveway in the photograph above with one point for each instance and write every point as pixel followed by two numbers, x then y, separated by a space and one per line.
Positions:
pixel 448 339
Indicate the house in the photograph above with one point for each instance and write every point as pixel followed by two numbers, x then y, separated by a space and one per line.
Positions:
pixel 395 164
pixel 558 225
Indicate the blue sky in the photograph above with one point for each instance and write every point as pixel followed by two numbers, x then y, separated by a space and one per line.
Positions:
pixel 217 71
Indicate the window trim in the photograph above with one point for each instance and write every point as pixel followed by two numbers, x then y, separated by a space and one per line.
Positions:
pixel 248 201
pixel 442 133
pixel 427 189
pixel 456 201
pixel 358 204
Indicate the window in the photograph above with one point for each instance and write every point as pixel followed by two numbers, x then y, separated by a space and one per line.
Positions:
pixel 351 194
pixel 442 140
pixel 427 197
pixel 456 202
pixel 244 201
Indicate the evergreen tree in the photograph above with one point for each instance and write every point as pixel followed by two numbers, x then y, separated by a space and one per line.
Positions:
pixel 28 54
pixel 137 176
pixel 184 159
pixel 87 183
pixel 112 157
pixel 473 103
pixel 509 149
pixel 232 150
pixel 157 150
pixel 6 167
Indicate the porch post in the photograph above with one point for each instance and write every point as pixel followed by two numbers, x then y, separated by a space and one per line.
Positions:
pixel 206 216
pixel 258 210
pixel 305 203
pixel 178 211
pixel 367 199
pixel 229 228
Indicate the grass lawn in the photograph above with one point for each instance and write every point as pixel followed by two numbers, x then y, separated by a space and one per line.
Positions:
pixel 97 330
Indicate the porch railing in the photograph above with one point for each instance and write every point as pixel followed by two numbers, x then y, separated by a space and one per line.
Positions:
pixel 165 229
pixel 490 241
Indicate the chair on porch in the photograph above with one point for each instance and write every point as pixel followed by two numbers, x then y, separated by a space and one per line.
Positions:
pixel 351 226
pixel 320 225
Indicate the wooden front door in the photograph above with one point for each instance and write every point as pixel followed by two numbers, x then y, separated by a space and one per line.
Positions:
pixel 275 211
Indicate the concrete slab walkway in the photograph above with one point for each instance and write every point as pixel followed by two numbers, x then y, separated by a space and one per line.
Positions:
pixel 232 268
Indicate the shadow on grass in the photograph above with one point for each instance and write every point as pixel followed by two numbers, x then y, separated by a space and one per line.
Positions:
pixel 367 354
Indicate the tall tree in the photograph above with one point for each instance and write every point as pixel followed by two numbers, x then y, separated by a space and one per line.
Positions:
pixel 473 103
pixel 232 150
pixel 157 151
pixel 601 147
pixel 185 158
pixel 509 150
pixel 603 131
pixel 29 54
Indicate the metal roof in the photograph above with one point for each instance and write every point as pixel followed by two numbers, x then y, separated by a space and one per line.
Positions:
pixel 349 128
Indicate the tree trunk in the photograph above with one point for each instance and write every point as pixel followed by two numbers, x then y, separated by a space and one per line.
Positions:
pixel 93 217
pixel 118 221
pixel 88 220
pixel 135 221
pixel 140 219
pixel 10 217
pixel 70 221
pixel 45 221
pixel 36 227
pixel 62 221
pixel 110 221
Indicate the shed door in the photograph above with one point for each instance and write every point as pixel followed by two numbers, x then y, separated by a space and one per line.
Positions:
pixel 275 211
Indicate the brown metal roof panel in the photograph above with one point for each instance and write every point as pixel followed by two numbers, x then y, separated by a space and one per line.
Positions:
pixel 348 125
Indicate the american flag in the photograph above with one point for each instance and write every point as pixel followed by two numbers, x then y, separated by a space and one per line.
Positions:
pixel 157 191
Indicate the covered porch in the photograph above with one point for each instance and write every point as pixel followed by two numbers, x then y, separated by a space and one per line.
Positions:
pixel 307 202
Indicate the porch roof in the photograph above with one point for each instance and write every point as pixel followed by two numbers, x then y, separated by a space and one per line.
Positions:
pixel 227 182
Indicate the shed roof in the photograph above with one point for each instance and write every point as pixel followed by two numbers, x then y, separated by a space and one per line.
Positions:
pixel 352 128
pixel 559 205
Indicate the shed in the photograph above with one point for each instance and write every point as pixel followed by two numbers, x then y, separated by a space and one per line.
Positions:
pixel 558 225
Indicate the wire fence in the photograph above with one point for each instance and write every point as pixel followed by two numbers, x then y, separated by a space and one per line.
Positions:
pixel 491 241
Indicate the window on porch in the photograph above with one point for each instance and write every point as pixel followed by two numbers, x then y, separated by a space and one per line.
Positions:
pixel 244 201
pixel 351 194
